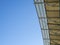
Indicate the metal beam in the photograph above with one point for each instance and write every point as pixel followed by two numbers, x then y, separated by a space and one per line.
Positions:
pixel 49 17
pixel 51 29
pixel 46 2
pixel 52 10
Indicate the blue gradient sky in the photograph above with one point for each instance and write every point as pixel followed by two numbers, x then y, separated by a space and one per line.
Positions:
pixel 19 23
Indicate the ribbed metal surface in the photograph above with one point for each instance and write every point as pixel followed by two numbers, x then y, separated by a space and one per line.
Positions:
pixel 49 18
pixel 40 8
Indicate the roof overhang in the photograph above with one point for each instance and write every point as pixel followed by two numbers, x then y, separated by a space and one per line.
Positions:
pixel 49 18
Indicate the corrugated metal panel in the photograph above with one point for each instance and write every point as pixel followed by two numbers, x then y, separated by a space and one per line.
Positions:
pixel 49 20
pixel 45 34
pixel 43 21
pixel 38 0
pixel 46 42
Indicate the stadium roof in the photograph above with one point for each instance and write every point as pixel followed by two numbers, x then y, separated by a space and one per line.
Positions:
pixel 48 12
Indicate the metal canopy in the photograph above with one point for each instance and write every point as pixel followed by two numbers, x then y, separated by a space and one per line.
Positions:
pixel 49 18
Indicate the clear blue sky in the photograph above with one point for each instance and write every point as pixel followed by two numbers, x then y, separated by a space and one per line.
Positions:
pixel 19 23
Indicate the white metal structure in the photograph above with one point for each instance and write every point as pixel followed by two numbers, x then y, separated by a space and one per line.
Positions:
pixel 40 8
pixel 49 18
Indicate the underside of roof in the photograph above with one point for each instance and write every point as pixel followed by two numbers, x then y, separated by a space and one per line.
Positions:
pixel 48 12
